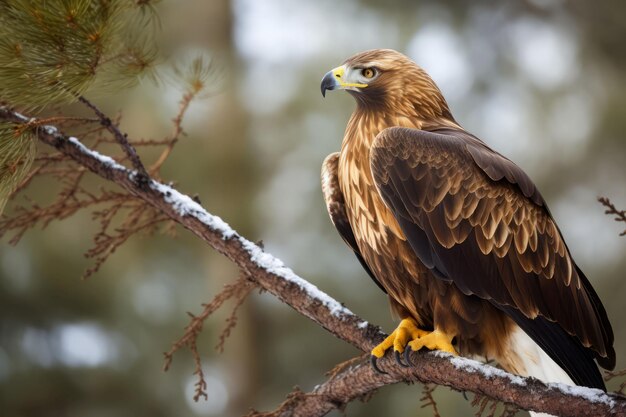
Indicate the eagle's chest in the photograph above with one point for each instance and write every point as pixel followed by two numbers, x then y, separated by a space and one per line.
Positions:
pixel 379 237
pixel 372 222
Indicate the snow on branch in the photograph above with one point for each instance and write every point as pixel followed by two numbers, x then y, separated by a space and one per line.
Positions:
pixel 275 277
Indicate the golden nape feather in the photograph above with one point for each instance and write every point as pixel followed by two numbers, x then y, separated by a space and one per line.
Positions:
pixel 456 234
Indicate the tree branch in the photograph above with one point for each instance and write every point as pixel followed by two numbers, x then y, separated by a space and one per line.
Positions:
pixel 120 137
pixel 460 374
pixel 272 275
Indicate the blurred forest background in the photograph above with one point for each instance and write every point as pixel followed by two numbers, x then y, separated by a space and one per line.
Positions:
pixel 542 81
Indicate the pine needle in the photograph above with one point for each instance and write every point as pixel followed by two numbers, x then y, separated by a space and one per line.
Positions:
pixel 54 51
pixel 17 151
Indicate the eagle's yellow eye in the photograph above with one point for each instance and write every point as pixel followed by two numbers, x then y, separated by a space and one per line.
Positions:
pixel 368 72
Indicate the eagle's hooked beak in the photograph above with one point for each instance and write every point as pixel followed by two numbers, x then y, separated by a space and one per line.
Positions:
pixel 336 79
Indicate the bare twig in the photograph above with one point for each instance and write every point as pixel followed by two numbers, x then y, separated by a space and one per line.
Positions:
pixel 238 291
pixel 295 397
pixel 245 286
pixel 274 277
pixel 509 410
pixel 480 403
pixel 428 400
pixel 487 407
pixel 619 215
pixel 140 217
pixel 340 367
pixel 131 214
pixel 178 130
pixel 121 138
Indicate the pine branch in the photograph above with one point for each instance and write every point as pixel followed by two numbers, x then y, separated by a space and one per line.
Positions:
pixel 120 137
pixel 273 276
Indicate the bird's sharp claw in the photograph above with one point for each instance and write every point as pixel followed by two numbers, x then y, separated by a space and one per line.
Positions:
pixel 407 356
pixel 373 361
pixel 398 357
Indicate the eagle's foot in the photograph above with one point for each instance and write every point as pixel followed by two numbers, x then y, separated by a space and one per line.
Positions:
pixel 435 340
pixel 406 331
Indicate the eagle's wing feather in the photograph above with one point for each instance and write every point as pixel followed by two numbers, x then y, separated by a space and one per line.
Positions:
pixel 476 219
pixel 336 206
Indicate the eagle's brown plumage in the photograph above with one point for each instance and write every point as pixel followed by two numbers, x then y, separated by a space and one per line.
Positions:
pixel 455 233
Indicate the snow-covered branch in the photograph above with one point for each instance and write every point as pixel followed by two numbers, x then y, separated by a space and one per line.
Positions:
pixel 457 373
pixel 273 276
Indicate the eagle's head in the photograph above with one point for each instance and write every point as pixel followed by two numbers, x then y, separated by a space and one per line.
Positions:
pixel 385 80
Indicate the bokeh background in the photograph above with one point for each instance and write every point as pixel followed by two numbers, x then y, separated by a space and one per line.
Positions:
pixel 542 81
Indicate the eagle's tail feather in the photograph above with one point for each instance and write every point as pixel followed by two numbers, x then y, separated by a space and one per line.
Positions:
pixel 564 349
pixel 529 359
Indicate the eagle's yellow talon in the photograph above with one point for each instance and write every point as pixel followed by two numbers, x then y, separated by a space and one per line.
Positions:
pixel 408 334
pixel 379 351
pixel 435 340
pixel 406 331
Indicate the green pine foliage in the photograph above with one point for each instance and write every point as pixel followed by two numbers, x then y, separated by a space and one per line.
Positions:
pixel 198 74
pixel 55 50
pixel 17 151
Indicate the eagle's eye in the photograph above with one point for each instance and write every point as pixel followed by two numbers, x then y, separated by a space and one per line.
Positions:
pixel 368 72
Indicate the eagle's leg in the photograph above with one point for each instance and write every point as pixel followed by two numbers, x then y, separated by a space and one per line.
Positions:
pixel 406 331
pixel 435 340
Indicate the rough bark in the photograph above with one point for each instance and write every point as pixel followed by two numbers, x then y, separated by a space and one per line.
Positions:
pixel 270 274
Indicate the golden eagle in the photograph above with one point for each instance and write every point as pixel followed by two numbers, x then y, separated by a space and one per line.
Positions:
pixel 456 234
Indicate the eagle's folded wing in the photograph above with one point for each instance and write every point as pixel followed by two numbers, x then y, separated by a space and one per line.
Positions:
pixel 476 219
